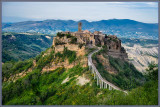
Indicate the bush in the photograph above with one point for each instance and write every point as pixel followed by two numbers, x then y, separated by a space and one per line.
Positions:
pixel 152 71
pixel 43 61
pixel 60 35
pixel 57 42
pixel 69 35
pixel 12 68
pixel 80 45
pixel 73 40
pixel 71 55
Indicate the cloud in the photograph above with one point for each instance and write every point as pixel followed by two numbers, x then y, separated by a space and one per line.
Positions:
pixel 152 4
pixel 92 11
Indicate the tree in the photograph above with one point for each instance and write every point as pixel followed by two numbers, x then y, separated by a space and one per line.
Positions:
pixel 152 71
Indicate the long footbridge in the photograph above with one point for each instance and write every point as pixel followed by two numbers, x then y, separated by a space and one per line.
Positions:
pixel 100 81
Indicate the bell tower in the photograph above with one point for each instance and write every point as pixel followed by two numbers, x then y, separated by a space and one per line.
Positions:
pixel 79 27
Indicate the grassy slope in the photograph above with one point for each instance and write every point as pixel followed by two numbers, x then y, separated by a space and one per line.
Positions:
pixel 46 89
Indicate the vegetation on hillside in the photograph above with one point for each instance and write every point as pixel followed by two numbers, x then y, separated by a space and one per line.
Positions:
pixel 21 46
pixel 60 35
pixel 71 55
pixel 11 68
pixel 47 89
pixel 127 78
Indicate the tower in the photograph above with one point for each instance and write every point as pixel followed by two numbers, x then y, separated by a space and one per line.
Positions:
pixel 79 27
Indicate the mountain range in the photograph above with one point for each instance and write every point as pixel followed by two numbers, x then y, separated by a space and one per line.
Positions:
pixel 120 27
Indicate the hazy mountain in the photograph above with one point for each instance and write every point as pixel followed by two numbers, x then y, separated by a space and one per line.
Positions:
pixel 9 19
pixel 120 27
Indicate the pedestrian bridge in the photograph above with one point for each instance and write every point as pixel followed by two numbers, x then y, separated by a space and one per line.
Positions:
pixel 100 81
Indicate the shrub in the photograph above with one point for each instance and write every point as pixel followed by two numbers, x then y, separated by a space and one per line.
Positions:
pixel 60 35
pixel 45 60
pixel 73 40
pixel 152 71
pixel 71 55
pixel 57 42
pixel 69 35
pixel 80 45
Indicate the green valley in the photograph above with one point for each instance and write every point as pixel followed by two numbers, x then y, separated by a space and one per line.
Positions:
pixel 21 46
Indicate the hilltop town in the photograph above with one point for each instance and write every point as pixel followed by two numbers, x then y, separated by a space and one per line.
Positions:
pixel 88 39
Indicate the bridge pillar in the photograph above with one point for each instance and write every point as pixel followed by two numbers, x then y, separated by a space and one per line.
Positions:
pixel 97 80
pixel 105 85
pixel 89 67
pixel 109 87
pixel 100 84
pixel 92 70
pixel 94 76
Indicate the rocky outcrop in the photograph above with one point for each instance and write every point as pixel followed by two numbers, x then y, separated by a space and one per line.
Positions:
pixel 114 47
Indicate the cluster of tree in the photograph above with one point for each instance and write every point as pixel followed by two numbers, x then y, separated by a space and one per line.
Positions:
pixel 47 89
pixel 73 40
pixel 60 35
pixel 11 67
pixel 80 45
pixel 45 60
pixel 58 42
pixel 18 46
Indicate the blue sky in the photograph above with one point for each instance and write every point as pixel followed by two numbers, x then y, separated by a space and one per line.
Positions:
pixel 146 12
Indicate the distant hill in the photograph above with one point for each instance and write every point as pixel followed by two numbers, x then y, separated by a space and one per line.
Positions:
pixel 21 46
pixel 120 27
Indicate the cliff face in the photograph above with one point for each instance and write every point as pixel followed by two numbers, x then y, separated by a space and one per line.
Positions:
pixel 80 57
pixel 62 42
pixel 114 47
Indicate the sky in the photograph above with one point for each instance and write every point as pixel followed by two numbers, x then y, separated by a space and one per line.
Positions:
pixel 146 12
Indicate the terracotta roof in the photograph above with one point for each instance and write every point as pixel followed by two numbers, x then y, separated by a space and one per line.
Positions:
pixel 86 31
